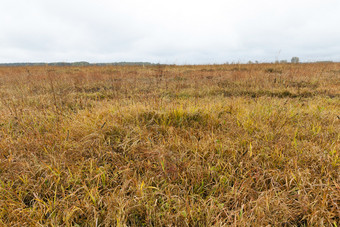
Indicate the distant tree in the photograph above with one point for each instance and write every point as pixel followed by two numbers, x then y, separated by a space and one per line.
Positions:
pixel 295 60
pixel 283 61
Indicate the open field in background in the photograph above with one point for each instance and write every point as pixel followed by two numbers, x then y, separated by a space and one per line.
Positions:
pixel 243 145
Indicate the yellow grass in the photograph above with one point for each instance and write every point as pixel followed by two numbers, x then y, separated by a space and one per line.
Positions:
pixel 242 145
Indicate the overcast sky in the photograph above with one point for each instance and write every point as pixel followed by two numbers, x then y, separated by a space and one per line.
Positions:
pixel 162 31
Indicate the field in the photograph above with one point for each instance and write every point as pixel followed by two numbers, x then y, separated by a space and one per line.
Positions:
pixel 240 145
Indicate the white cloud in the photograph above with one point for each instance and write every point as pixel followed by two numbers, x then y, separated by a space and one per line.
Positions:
pixel 175 31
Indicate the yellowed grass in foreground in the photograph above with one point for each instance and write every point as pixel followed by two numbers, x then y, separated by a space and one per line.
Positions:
pixel 243 145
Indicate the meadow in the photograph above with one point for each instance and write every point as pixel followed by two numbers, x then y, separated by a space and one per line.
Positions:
pixel 208 145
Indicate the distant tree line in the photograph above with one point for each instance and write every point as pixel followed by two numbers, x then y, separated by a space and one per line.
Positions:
pixel 294 60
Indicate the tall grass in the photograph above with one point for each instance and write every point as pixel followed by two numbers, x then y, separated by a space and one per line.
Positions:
pixel 242 145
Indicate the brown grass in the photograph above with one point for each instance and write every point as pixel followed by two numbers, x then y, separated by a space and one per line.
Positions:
pixel 241 145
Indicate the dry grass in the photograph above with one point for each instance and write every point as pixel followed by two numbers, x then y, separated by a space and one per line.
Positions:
pixel 242 145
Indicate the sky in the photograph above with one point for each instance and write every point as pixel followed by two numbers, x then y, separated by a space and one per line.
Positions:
pixel 169 32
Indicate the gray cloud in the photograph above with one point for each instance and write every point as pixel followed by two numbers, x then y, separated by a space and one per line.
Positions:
pixel 169 31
